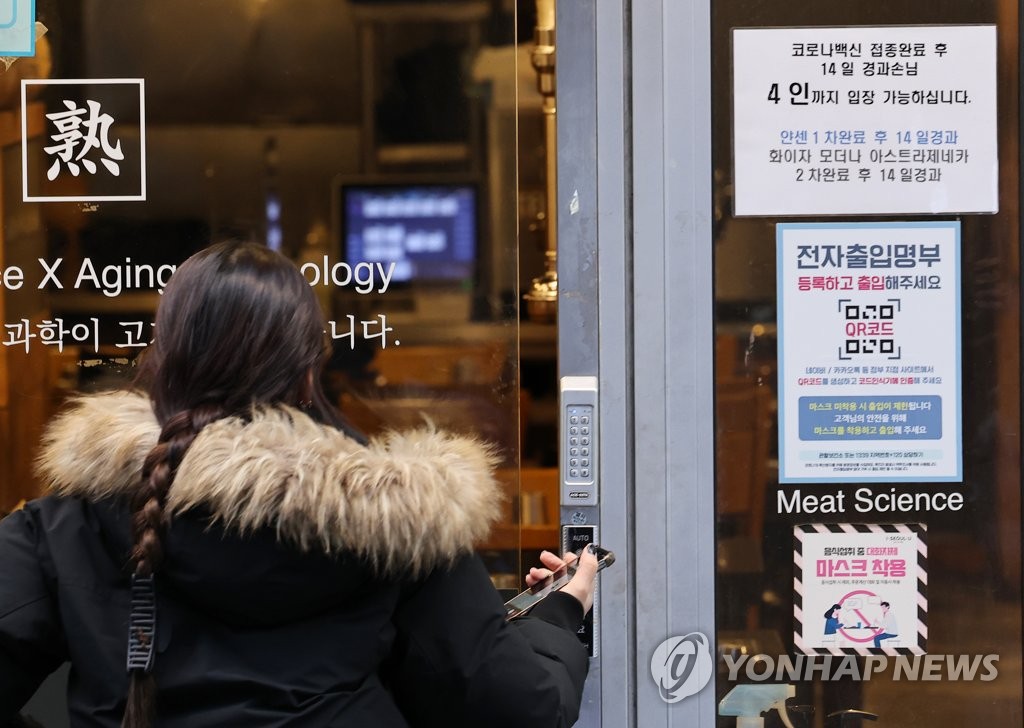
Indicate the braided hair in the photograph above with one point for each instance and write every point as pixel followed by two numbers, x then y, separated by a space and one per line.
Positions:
pixel 238 326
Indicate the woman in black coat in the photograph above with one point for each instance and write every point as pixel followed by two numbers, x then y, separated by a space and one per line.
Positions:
pixel 221 551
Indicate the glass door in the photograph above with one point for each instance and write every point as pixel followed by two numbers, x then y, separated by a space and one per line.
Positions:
pixel 375 144
pixel 867 366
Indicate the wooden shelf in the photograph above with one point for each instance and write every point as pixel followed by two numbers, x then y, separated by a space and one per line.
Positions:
pixel 506 537
pixel 467 11
pixel 25 390
pixel 436 153
pixel 513 536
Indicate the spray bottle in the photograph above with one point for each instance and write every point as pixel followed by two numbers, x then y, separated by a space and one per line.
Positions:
pixel 747 702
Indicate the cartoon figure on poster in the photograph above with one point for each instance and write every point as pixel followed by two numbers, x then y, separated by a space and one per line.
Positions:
pixel 859 618
pixel 832 623
pixel 890 628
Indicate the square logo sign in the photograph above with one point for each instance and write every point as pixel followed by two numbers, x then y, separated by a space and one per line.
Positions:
pixel 17 27
pixel 92 147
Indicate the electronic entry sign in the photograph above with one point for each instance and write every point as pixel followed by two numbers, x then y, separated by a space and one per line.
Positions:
pixel 869 352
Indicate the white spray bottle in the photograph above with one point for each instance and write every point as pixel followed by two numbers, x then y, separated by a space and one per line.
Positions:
pixel 748 701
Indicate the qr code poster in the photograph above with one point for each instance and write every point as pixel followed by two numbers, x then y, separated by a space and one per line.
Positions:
pixel 17 27
pixel 93 145
pixel 869 352
pixel 860 589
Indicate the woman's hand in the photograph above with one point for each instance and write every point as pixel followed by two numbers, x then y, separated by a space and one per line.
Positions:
pixel 580 586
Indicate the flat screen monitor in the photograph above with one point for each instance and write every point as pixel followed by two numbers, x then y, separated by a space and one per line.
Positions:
pixel 429 230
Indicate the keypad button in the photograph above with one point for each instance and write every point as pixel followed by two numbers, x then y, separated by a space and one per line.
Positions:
pixel 576 445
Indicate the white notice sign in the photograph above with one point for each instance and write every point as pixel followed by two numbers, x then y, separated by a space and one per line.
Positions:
pixel 865 120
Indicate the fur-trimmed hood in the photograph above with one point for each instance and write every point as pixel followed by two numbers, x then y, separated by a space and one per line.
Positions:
pixel 412 500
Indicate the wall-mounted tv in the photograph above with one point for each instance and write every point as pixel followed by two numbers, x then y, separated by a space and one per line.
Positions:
pixel 429 230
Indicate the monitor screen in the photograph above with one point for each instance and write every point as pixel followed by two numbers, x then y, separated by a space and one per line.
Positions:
pixel 428 230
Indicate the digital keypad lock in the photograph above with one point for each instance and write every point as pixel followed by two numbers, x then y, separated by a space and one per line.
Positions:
pixel 578 451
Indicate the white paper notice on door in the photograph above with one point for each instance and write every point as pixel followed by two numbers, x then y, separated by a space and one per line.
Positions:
pixel 865 120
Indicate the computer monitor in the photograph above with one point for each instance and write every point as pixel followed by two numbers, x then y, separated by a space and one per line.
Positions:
pixel 428 229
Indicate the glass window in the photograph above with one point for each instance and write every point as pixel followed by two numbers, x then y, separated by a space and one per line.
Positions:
pixel 805 568
pixel 374 144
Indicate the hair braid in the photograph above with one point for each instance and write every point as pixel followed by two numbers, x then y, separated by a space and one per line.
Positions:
pixel 148 522
pixel 238 326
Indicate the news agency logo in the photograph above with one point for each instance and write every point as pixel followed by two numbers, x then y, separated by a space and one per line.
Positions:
pixel 682 666
pixel 860 668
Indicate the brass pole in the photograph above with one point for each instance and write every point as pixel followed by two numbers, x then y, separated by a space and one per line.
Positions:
pixel 542 297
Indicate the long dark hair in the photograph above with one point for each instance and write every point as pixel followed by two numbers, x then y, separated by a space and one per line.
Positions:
pixel 238 326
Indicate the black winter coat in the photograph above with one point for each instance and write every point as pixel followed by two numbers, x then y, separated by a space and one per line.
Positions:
pixel 307 581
